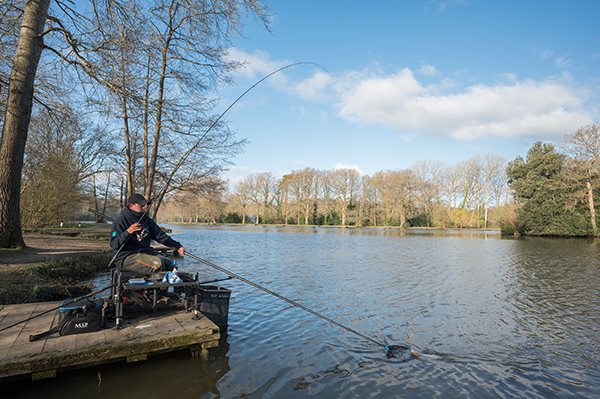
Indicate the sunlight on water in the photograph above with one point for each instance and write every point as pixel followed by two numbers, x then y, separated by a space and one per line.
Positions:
pixel 498 317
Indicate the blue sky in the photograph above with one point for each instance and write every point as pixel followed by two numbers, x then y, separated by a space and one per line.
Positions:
pixel 407 81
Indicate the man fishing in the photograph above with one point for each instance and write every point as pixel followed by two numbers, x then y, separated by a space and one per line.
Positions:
pixel 130 239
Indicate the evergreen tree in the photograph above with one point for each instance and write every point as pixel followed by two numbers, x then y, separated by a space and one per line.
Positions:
pixel 542 195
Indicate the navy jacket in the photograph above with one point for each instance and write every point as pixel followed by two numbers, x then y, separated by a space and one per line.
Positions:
pixel 119 235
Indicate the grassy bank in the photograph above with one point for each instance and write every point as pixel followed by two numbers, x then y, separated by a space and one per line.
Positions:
pixel 55 279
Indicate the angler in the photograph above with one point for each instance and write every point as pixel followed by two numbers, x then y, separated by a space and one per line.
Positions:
pixel 131 234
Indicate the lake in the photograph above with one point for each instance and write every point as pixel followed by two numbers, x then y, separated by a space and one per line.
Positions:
pixel 495 316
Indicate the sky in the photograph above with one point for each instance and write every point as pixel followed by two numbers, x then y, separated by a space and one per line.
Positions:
pixel 382 85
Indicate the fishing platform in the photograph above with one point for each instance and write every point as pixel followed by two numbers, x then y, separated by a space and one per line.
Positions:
pixel 148 334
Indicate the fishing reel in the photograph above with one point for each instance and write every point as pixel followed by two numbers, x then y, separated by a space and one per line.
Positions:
pixel 142 234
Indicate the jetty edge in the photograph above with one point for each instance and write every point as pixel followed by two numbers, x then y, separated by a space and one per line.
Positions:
pixel 167 330
pixel 149 334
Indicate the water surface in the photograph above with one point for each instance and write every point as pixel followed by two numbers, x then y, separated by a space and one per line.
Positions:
pixel 505 317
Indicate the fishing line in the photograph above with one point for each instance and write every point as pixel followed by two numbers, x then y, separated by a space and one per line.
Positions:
pixel 389 348
pixel 184 156
pixel 260 81
pixel 187 153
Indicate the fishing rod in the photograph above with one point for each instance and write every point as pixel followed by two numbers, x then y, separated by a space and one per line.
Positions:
pixel 48 311
pixel 101 215
pixel 215 280
pixel 389 348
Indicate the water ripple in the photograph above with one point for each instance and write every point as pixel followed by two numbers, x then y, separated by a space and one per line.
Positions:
pixel 504 317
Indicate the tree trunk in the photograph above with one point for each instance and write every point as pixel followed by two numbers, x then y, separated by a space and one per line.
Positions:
pixel 129 156
pixel 487 196
pixel 106 195
pixel 591 204
pixel 306 210
pixel 150 172
pixel 17 118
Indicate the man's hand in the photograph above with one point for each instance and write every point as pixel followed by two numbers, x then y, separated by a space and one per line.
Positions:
pixel 181 251
pixel 134 227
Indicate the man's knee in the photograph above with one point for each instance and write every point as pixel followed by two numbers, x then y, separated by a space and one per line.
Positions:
pixel 144 264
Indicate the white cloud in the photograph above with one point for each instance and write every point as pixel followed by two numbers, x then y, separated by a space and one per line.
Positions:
pixel 344 166
pixel 428 70
pixel 410 137
pixel 564 61
pixel 511 77
pixel 513 109
pixel 439 6
pixel 546 54
pixel 314 87
pixel 508 108
pixel 257 65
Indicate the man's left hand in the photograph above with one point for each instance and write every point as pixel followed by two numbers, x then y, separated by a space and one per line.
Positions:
pixel 181 251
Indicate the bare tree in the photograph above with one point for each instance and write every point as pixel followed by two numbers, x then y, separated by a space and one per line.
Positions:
pixel 238 202
pixel 397 189
pixel 326 203
pixel 168 56
pixel 367 195
pixel 302 185
pixel 493 165
pixel 284 194
pixel 345 185
pixel 450 184
pixel 212 25
pixel 259 189
pixel 427 180
pixel 211 204
pixel 16 120
pixel 60 155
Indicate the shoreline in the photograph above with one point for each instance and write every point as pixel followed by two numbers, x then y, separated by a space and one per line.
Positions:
pixel 55 243
pixel 53 265
pixel 333 226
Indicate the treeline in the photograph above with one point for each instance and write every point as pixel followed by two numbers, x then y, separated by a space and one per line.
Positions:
pixel 472 193
pixel 551 193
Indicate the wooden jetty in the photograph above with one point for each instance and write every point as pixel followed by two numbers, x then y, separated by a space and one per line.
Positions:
pixel 151 333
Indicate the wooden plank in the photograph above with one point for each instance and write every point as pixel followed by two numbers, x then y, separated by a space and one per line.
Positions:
pixel 13 314
pixel 148 334
pixel 42 316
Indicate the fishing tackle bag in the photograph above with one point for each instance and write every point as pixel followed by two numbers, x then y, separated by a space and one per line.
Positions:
pixel 76 317
pixel 84 315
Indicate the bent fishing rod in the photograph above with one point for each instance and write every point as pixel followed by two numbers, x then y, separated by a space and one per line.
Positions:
pixel 389 348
